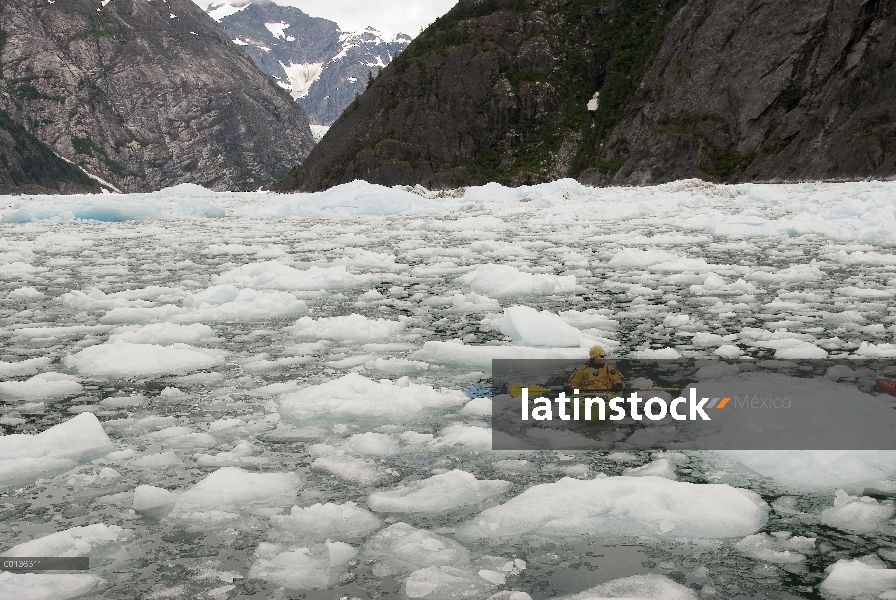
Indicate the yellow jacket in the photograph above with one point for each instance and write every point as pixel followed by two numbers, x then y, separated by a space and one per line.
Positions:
pixel 600 378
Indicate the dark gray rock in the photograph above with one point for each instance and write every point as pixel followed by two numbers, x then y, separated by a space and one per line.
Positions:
pixel 497 90
pixel 764 91
pixel 146 94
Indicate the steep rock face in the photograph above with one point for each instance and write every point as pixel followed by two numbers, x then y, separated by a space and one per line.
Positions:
pixel 493 90
pixel 763 91
pixel 498 90
pixel 146 94
pixel 322 67
pixel 28 166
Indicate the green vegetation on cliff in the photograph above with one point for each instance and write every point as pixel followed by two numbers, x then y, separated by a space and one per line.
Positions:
pixel 496 90
pixel 26 164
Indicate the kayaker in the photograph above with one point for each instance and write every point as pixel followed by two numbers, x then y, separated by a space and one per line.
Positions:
pixel 596 374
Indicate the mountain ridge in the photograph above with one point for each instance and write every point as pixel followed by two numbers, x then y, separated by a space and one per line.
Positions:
pixel 146 95
pixel 498 90
pixel 323 67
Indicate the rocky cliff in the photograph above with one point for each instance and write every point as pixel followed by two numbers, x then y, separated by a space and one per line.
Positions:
pixel 145 94
pixel 762 91
pixel 28 166
pixel 499 90
pixel 495 90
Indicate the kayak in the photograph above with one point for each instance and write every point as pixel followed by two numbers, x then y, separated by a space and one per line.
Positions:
pixel 887 386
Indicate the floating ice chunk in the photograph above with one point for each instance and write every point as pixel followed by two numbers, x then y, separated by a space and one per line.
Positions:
pixel 818 468
pixel 297 569
pixel 34 586
pixel 122 208
pixel 792 274
pixel 588 318
pixel 457 353
pixel 859 515
pixel 320 522
pixel 412 437
pixel 25 293
pixel 863 292
pixel 354 470
pixel 76 541
pixel 348 199
pixel 657 354
pixel 28 366
pixel 18 268
pixel 676 320
pixel 856 580
pixel 27 458
pixel 371 443
pixel 229 303
pixel 463 436
pixel 401 548
pixel 684 265
pixel 860 257
pixel 159 460
pixel 448 583
pixel 355 396
pixel 47 387
pixel 152 314
pixel 169 432
pixel 868 350
pixel 359 258
pixel 623 506
pixel 635 258
pixel 800 350
pixel 243 454
pixel 436 494
pixel 396 366
pixel 163 334
pixel 150 497
pixel 728 351
pixel 529 327
pixel 353 327
pixel 662 467
pixel 637 587
pixel 704 339
pixel 478 407
pixel 505 280
pixel 776 548
pixel 231 487
pixel 195 208
pixel 142 360
pixel 458 302
pixel 273 275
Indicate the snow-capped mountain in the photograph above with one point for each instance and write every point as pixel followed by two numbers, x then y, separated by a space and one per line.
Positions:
pixel 323 67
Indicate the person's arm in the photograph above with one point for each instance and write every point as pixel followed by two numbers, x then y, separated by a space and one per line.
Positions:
pixel 576 380
pixel 617 381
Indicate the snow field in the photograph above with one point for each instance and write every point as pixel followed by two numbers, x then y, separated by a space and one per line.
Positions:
pixel 270 397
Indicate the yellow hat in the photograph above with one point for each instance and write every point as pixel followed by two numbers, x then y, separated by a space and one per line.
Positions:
pixel 597 351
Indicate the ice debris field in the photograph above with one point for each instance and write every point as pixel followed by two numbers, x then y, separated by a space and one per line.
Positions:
pixel 222 395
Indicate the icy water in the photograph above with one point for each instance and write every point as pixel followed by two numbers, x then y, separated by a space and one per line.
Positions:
pixel 297 373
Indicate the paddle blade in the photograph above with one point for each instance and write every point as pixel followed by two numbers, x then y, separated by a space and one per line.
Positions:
pixel 517 390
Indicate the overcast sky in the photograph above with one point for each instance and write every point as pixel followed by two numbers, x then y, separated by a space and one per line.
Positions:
pixel 388 16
